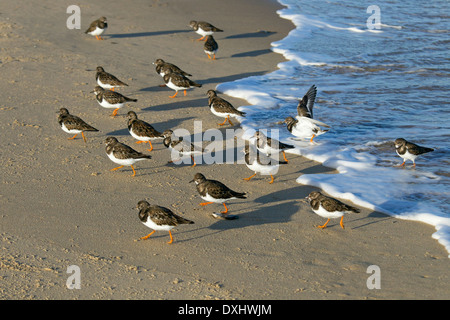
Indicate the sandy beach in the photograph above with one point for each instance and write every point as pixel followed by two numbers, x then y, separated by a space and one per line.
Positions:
pixel 62 206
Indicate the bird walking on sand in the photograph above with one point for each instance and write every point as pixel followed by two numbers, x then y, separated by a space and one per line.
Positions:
pixel 260 163
pixel 409 151
pixel 111 99
pixel 97 27
pixel 159 218
pixel 329 208
pixel 182 147
pixel 222 108
pixel 107 80
pixel 162 68
pixel 73 124
pixel 271 146
pixel 213 191
pixel 177 82
pixel 141 130
pixel 203 28
pixel 122 154
pixel 210 47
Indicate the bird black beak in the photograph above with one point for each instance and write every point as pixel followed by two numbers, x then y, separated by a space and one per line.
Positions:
pixel 191 181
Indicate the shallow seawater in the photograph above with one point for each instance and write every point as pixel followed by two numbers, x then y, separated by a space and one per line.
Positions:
pixel 374 85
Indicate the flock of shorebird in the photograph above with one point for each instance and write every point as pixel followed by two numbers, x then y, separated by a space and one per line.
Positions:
pixel 257 155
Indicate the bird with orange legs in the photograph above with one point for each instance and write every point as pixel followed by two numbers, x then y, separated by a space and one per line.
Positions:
pixel 222 108
pixel 111 99
pixel 409 151
pixel 329 208
pixel 203 28
pixel 213 191
pixel 73 124
pixel 122 154
pixel 97 27
pixel 142 131
pixel 159 218
pixel 210 47
pixel 107 80
pixel 177 82
pixel 180 147
pixel 260 163
pixel 270 146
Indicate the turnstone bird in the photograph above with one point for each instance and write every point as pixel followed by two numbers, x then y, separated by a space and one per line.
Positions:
pixel 141 130
pixel 73 124
pixel 184 148
pixel 210 47
pixel 270 146
pixel 213 191
pixel 260 163
pixel 222 108
pixel 111 99
pixel 409 151
pixel 107 80
pixel 203 28
pixel 306 104
pixel 159 218
pixel 329 208
pixel 97 27
pixel 177 81
pixel 122 154
pixel 163 68
pixel 305 128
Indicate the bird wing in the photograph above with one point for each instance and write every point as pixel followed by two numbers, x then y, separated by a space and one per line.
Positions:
pixel 92 26
pixel 162 216
pixel 305 106
pixel 416 149
pixel 218 190
pixel 73 122
pixel 122 151
pixel 143 128
pixel 106 77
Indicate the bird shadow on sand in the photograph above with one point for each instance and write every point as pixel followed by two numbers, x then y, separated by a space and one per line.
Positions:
pixel 254 53
pixel 145 34
pixel 257 34
pixel 260 215
pixel 228 78
pixel 179 104
pixel 369 219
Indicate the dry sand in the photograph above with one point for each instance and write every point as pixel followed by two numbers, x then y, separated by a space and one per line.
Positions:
pixel 61 206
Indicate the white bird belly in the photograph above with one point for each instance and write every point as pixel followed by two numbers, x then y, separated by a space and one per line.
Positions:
pixel 263 169
pixel 123 162
pixel 73 131
pixel 208 198
pixel 172 86
pixel 96 32
pixel 104 85
pixel 326 214
pixel 106 104
pixel 149 223
pixel 204 33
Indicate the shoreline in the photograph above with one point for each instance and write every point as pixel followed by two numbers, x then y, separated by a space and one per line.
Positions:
pixel 76 212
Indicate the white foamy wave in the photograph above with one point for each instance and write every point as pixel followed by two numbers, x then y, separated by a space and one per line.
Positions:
pixel 401 193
